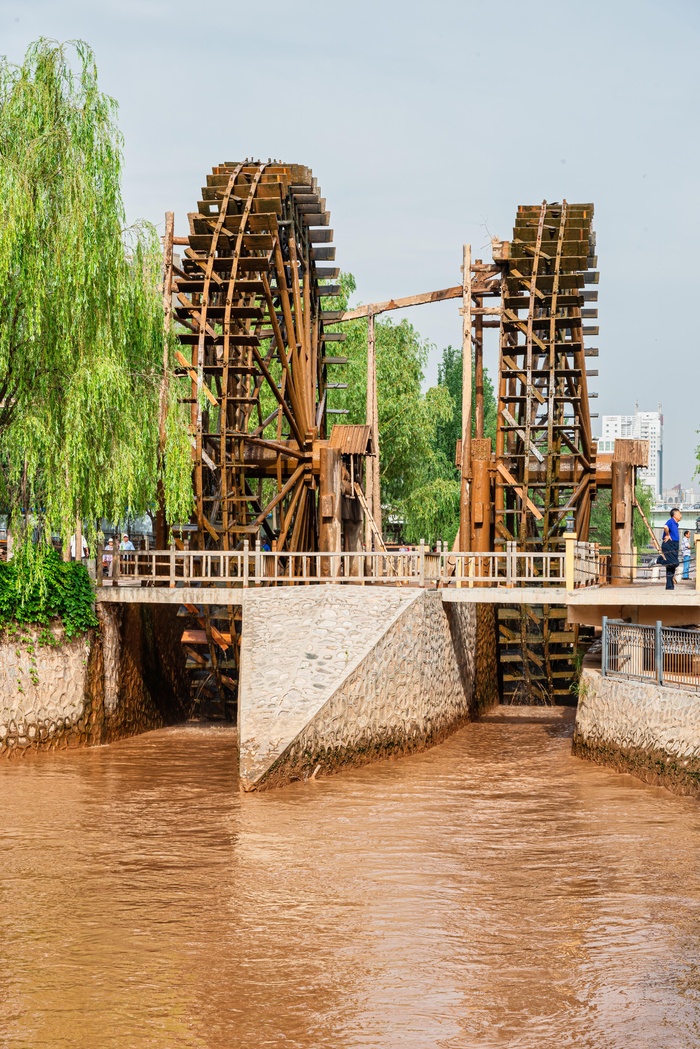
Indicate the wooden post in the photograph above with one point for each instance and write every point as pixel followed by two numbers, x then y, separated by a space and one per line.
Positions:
pixel 621 533
pixel 464 506
pixel 164 380
pixel 172 563
pixel 481 495
pixel 697 554
pixel 330 501
pixel 479 373
pixel 258 562
pixel 481 539
pixel 373 470
pixel 116 566
pixel 569 560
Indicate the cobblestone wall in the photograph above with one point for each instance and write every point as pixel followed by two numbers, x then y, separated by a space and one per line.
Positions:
pixel 650 731
pixel 121 680
pixel 343 676
pixel 43 692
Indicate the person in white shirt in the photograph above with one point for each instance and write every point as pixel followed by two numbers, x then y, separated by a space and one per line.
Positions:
pixel 685 552
pixel 83 545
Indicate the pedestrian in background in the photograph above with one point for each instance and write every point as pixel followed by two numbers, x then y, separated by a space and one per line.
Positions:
pixel 685 553
pixel 670 546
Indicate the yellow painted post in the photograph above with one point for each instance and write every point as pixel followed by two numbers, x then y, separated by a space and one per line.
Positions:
pixel 569 560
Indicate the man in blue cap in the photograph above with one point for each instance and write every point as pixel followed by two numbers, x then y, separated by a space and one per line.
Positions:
pixel 669 546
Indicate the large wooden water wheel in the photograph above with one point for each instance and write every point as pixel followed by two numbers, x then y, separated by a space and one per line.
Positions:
pixel 249 293
pixel 544 450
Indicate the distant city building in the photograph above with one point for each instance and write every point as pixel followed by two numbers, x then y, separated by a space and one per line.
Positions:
pixel 680 496
pixel 646 426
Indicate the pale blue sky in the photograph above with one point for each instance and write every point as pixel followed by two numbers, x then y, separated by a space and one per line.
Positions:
pixel 426 125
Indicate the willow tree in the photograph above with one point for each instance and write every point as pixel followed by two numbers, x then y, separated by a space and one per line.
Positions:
pixel 81 320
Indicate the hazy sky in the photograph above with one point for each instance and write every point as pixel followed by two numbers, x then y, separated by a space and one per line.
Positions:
pixel 426 125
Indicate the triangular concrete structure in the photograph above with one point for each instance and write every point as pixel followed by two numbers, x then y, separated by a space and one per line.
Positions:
pixel 299 644
pixel 338 675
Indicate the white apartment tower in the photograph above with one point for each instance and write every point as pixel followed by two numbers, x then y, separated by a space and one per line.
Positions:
pixel 647 426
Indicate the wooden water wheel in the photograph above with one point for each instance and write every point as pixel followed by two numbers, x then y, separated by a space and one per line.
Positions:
pixel 249 298
pixel 544 450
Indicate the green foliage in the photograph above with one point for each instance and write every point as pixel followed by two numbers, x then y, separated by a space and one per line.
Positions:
pixel 36 586
pixel 177 478
pixel 601 519
pixel 417 480
pixel 450 376
pixel 81 321
pixel 432 511
pixel 418 431
pixel 645 498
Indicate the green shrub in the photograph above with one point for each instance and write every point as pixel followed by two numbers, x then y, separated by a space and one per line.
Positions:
pixel 36 586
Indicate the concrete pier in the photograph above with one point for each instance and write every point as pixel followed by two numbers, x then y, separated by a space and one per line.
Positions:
pixel 335 675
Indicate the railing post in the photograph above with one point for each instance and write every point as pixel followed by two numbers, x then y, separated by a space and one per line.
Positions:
pixel 99 579
pixel 115 560
pixel 509 563
pixel 570 560
pixel 421 563
pixel 697 564
pixel 604 648
pixel 659 652
pixel 246 564
pixel 172 563
pixel 258 562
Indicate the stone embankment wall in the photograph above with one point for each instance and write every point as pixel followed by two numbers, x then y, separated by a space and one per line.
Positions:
pixel 651 731
pixel 123 679
pixel 335 676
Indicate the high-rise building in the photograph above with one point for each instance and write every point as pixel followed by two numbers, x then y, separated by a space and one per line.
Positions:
pixel 646 426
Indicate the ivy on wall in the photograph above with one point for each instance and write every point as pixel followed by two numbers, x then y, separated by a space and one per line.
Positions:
pixel 36 586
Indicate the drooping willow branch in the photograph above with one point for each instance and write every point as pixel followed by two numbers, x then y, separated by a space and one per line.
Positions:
pixel 81 322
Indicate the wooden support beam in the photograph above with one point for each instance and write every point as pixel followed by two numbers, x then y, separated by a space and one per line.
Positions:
pixel 330 497
pixel 400 304
pixel 373 485
pixel 621 532
pixel 464 502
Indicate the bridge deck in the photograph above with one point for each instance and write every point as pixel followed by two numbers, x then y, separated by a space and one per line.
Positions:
pixel 639 603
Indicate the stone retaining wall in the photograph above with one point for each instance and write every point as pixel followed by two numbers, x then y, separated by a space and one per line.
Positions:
pixel 125 678
pixel 339 676
pixel 651 731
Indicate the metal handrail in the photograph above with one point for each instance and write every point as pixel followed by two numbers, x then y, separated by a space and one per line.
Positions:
pixel 662 655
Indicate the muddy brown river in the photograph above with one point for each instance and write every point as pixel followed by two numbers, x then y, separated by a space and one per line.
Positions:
pixel 493 891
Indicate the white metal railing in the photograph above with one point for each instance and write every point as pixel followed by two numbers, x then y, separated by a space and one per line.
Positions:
pixel 574 565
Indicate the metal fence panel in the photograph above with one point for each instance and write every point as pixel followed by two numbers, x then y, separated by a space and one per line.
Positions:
pixel 663 655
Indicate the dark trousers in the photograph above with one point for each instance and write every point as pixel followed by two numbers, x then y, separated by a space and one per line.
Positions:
pixel 670 572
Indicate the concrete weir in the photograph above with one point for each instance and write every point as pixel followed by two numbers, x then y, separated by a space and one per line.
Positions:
pixel 336 675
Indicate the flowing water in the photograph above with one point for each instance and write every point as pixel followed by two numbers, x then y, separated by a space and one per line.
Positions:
pixel 493 891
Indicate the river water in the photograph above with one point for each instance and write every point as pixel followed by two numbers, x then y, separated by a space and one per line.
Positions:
pixel 493 891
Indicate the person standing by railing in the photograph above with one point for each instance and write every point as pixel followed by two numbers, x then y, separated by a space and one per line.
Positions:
pixel 685 551
pixel 127 545
pixel 670 547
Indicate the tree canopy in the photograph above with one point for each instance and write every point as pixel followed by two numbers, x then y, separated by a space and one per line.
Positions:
pixel 601 517
pixel 81 320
